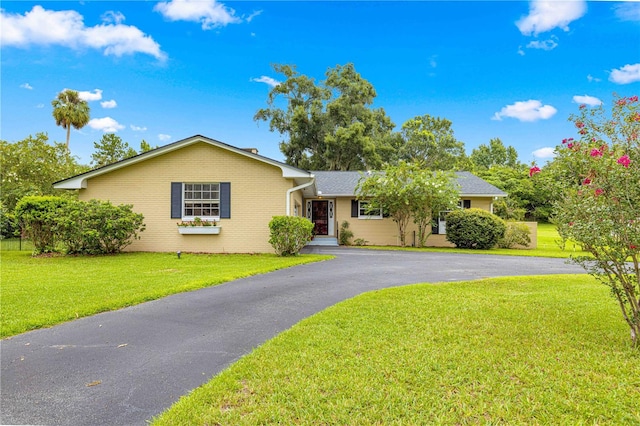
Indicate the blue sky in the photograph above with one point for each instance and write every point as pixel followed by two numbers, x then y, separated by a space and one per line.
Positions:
pixel 164 71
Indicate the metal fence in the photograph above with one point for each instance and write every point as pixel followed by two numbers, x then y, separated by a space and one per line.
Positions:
pixel 16 244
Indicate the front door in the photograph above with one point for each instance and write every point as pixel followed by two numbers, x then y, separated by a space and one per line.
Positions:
pixel 320 217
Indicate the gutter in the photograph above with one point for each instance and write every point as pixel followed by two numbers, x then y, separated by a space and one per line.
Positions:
pixel 291 190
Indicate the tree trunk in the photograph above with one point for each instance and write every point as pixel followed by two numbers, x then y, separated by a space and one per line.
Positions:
pixel 68 134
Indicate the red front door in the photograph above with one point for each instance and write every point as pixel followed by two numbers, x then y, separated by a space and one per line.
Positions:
pixel 320 217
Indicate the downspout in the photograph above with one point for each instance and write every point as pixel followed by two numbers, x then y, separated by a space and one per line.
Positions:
pixel 290 191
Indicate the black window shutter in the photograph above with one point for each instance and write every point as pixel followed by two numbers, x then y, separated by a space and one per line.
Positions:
pixel 354 208
pixel 225 200
pixel 176 200
pixel 466 204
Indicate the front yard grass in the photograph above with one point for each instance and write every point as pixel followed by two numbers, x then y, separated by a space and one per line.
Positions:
pixel 39 292
pixel 525 350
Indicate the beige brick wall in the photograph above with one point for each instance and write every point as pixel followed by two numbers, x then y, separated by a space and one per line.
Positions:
pixel 384 232
pixel 258 193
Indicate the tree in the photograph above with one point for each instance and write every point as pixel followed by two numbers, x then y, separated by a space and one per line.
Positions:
pixel 430 142
pixel 433 192
pixel 407 191
pixel 494 154
pixel 110 149
pixel 69 110
pixel 600 202
pixel 145 146
pixel 31 166
pixel 328 126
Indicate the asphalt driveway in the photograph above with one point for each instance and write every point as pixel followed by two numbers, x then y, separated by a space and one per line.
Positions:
pixel 126 366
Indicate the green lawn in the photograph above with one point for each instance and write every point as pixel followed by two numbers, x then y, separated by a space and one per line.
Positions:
pixel 43 291
pixel 526 350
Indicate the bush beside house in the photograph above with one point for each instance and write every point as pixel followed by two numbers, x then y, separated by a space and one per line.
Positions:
pixel 474 229
pixel 289 234
pixel 77 227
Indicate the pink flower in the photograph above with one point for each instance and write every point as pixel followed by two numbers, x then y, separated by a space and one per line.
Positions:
pixel 624 160
pixel 633 99
pixel 599 192
pixel 586 181
pixel 579 124
pixel 595 152
pixel 534 170
pixel 622 101
pixel 583 106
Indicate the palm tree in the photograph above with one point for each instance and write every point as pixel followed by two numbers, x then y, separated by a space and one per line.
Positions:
pixel 69 110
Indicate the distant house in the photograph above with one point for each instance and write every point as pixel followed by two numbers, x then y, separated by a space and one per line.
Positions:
pixel 199 177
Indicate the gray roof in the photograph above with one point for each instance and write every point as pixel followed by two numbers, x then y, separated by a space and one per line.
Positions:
pixel 343 184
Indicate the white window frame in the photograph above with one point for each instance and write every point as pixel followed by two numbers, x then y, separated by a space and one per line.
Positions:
pixel 362 208
pixel 200 200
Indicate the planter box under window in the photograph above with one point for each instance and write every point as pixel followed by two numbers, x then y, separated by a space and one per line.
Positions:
pixel 193 230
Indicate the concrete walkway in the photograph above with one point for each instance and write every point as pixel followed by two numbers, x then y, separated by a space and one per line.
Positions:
pixel 126 366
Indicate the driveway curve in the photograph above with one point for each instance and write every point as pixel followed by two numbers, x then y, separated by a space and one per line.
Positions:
pixel 126 366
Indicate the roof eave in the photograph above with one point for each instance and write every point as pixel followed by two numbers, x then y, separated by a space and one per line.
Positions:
pixel 80 181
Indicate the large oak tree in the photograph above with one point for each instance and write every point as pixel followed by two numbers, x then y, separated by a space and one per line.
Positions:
pixel 329 125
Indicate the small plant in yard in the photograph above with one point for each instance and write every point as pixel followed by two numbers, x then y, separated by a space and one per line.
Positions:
pixel 600 204
pixel 345 234
pixel 516 234
pixel 289 234
pixel 474 229
pixel 360 242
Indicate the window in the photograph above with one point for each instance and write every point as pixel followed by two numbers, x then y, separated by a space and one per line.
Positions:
pixel 465 204
pixel 205 200
pixel 201 200
pixel 365 213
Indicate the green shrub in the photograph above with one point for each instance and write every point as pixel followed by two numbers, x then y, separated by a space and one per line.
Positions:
pixel 474 228
pixel 289 234
pixel 345 234
pixel 8 226
pixel 98 227
pixel 37 217
pixel 80 227
pixel 517 233
pixel 360 242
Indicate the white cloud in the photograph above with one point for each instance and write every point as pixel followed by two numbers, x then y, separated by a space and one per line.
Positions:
pixel 520 51
pixel 628 11
pixel 266 80
pixel 164 137
pixel 66 28
pixel 113 17
pixel 26 86
pixel 592 78
pixel 587 100
pixel 625 75
pixel 138 128
pixel 546 152
pixel 531 110
pixel 253 15
pixel 544 44
pixel 545 15
pixel 109 104
pixel 40 106
pixel 89 96
pixel 209 13
pixel 106 124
